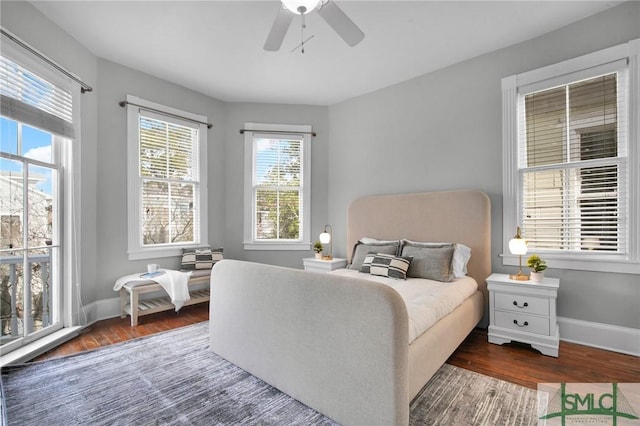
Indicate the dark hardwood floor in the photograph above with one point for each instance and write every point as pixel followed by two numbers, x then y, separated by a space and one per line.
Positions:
pixel 514 362
pixel 519 363
pixel 116 330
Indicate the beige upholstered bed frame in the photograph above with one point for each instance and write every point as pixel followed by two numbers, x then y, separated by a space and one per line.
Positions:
pixel 339 344
pixel 449 216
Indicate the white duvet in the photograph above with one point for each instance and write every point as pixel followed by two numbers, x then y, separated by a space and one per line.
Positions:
pixel 427 301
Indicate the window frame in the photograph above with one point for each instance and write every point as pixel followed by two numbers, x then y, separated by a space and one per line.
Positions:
pixel 66 262
pixel 136 250
pixel 303 131
pixel 627 54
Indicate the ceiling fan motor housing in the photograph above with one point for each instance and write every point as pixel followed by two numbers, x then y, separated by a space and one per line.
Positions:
pixel 301 7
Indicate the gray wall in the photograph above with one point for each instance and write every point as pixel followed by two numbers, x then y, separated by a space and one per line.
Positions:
pixel 114 83
pixel 225 172
pixel 443 131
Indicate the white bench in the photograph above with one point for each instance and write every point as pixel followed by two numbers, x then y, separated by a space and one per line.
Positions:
pixel 130 303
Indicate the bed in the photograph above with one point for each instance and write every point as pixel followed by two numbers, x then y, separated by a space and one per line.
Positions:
pixel 337 343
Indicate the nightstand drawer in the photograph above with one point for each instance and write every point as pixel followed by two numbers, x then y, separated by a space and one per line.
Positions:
pixel 522 303
pixel 521 322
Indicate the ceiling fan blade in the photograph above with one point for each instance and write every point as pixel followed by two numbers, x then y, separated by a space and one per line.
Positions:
pixel 341 23
pixel 278 30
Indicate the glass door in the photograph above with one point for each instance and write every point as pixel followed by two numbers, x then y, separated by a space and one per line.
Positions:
pixel 30 217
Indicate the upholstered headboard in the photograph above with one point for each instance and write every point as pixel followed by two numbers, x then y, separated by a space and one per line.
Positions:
pixel 449 216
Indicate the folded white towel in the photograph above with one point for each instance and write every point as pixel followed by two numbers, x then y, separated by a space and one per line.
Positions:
pixel 175 283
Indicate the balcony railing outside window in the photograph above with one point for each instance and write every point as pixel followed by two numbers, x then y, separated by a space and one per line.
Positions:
pixel 25 308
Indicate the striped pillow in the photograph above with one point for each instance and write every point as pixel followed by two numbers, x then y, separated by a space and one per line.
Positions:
pixel 386 265
pixel 366 263
pixel 200 258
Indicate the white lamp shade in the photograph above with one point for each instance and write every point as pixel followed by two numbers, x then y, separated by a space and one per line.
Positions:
pixel 325 238
pixel 518 246
pixel 294 5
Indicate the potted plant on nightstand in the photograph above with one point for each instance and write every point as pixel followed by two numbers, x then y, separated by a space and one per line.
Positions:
pixel 317 247
pixel 537 266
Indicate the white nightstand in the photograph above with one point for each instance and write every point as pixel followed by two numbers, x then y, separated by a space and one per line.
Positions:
pixel 524 311
pixel 321 265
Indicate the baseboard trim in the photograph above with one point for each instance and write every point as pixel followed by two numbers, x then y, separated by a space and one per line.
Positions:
pixel 110 308
pixel 102 309
pixel 602 336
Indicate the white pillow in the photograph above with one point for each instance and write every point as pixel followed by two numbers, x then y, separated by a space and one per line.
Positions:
pixel 461 256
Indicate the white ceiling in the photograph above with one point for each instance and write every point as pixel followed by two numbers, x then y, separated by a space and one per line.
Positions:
pixel 215 47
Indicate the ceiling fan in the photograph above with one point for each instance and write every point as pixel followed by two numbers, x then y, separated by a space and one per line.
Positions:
pixel 327 9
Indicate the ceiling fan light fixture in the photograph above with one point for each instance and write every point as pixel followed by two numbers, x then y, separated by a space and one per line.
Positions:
pixel 301 7
pixel 327 9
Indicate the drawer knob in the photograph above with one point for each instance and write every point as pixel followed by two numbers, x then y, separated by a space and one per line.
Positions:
pixel 524 305
pixel 526 323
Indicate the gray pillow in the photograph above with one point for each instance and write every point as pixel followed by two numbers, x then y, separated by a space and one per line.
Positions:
pixel 361 250
pixel 433 262
pixel 461 255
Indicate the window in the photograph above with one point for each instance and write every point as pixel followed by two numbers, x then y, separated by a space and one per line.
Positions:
pixel 38 198
pixel 277 187
pixel 167 180
pixel 571 160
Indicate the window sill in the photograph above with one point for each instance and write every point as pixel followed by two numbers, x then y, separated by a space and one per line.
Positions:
pixel 590 263
pixel 277 246
pixel 158 252
pixel 39 346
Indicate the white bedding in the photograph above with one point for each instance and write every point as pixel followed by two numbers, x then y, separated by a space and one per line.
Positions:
pixel 427 301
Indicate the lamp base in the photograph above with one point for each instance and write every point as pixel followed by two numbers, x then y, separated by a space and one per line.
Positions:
pixel 327 257
pixel 519 277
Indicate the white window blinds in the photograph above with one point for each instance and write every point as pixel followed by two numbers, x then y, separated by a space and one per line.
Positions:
pixel 278 187
pixel 168 174
pixel 166 179
pixel 30 99
pixel 573 165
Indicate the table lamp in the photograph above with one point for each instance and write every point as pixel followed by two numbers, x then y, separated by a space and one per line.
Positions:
pixel 325 238
pixel 518 246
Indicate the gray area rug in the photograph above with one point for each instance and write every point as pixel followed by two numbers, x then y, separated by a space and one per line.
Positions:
pixel 173 378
